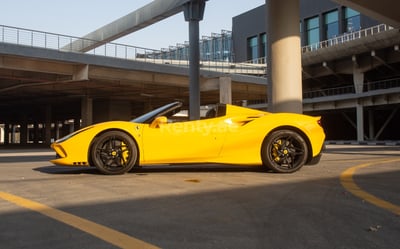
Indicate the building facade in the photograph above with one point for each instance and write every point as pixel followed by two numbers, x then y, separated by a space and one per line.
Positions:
pixel 319 21
pixel 345 65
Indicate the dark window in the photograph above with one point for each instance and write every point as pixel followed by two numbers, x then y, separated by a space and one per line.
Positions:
pixel 331 22
pixel 263 45
pixel 351 20
pixel 252 48
pixel 312 32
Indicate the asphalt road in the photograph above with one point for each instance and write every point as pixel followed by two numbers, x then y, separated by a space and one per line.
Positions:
pixel 350 200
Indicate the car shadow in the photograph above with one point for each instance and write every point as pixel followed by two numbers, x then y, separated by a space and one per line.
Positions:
pixel 143 170
pixel 65 170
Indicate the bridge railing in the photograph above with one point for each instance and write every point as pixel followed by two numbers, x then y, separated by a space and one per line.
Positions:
pixel 34 38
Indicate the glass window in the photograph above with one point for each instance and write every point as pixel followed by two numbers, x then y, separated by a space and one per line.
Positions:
pixel 351 20
pixel 252 48
pixel 331 22
pixel 263 45
pixel 312 26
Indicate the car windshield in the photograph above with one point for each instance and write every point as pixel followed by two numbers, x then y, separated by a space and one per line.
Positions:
pixel 163 110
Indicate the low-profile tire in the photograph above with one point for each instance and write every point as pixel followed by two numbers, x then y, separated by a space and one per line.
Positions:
pixel 284 151
pixel 114 152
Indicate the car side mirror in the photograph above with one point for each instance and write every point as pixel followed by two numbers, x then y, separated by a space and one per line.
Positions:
pixel 158 121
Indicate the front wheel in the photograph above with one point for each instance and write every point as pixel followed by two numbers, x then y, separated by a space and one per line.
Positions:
pixel 114 152
pixel 284 151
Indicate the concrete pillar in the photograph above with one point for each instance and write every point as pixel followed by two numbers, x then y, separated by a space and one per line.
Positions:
pixel 225 90
pixel 360 122
pixel 13 133
pixel 35 132
pixel 6 133
pixel 76 125
pixel 47 126
pixel 108 110
pixel 23 131
pixel 284 60
pixel 358 79
pixel 87 111
pixel 371 124
pixel 57 130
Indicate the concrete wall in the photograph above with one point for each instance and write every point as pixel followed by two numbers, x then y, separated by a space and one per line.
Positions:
pixel 246 25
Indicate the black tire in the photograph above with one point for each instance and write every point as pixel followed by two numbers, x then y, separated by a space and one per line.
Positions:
pixel 114 152
pixel 284 151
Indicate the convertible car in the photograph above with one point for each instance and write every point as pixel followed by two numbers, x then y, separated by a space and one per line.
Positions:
pixel 228 134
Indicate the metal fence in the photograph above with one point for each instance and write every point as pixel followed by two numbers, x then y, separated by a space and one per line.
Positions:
pixel 370 86
pixel 33 38
pixel 346 37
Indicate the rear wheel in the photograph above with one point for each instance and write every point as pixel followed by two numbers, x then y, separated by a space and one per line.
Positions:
pixel 284 151
pixel 114 152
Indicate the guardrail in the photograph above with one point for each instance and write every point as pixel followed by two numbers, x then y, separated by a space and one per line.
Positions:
pixel 347 37
pixel 34 38
pixel 368 87
pixel 335 41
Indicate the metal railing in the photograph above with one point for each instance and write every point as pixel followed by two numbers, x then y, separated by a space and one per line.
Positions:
pixel 368 87
pixel 39 39
pixel 335 41
pixel 34 38
pixel 347 37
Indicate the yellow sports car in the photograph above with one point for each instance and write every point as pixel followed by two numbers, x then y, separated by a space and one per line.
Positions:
pixel 282 142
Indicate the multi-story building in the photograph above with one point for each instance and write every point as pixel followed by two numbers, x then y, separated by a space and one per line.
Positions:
pixel 351 67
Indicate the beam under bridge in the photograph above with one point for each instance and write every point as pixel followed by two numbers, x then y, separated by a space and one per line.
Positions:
pixel 145 16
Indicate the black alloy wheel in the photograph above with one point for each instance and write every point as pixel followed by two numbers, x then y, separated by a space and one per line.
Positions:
pixel 284 151
pixel 114 152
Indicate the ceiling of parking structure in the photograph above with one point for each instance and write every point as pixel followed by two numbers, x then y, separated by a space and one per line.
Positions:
pixel 334 66
pixel 30 81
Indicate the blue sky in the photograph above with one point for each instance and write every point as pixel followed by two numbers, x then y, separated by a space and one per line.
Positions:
pixel 79 17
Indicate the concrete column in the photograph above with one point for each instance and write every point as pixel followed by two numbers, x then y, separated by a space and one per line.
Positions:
pixel 284 60
pixel 23 131
pixel 87 111
pixel 76 125
pixel 360 122
pixel 225 90
pixel 6 133
pixel 358 79
pixel 13 133
pixel 35 132
pixel 57 130
pixel 371 124
pixel 47 125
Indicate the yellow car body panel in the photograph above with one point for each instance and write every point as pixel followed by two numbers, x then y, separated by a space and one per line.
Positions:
pixel 74 151
pixel 233 138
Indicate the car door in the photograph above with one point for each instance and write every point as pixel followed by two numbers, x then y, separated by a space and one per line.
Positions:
pixel 179 142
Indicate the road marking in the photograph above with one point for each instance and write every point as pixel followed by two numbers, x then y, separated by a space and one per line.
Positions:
pixel 346 178
pixel 102 232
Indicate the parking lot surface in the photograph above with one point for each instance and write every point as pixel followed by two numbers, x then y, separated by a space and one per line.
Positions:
pixel 349 200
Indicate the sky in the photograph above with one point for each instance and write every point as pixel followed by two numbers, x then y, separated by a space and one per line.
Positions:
pixel 80 17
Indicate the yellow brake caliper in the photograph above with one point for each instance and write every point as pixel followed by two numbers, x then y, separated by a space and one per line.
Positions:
pixel 275 150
